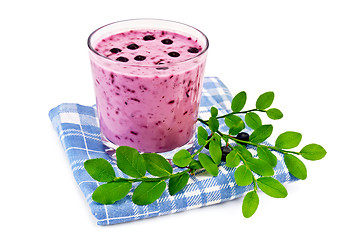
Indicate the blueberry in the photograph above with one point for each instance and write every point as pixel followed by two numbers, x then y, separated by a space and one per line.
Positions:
pixel 122 59
pixel 225 151
pixel 115 50
pixel 207 145
pixel 173 54
pixel 243 136
pixel 167 41
pixel 133 46
pixel 162 68
pixel 139 58
pixel 148 38
pixel 193 50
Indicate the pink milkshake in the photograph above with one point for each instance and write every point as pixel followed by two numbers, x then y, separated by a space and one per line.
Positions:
pixel 148 80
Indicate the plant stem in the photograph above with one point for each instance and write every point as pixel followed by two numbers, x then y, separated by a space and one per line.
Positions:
pixel 147 179
pixel 270 147
pixel 233 113
pixel 202 147
pixel 202 121
pixel 248 142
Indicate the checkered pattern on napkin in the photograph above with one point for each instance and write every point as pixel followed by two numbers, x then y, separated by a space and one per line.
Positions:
pixel 79 133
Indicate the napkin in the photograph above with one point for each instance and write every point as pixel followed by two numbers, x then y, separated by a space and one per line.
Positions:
pixel 78 130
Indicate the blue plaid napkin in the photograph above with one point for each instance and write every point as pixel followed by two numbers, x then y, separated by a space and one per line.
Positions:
pixel 79 133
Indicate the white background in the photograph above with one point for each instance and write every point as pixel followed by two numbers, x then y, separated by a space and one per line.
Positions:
pixel 308 52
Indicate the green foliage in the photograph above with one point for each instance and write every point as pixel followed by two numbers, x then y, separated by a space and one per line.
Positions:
pixel 182 158
pixel 260 167
pixel 265 100
pixel 238 102
pixel 194 164
pixel 148 192
pixel 250 170
pixel 288 140
pixel 213 124
pixel 111 192
pixel 250 204
pixel 233 159
pixel 313 152
pixel 208 164
pixel 202 136
pixel 214 111
pixel 261 133
pixel 272 187
pixel 243 176
pixel 235 124
pixel 265 154
pixel 274 113
pixel 295 166
pixel 157 165
pixel 215 149
pixel 130 161
pixel 100 169
pixel 177 183
pixel 253 120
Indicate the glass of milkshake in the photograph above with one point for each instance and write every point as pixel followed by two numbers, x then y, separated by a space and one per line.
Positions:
pixel 148 76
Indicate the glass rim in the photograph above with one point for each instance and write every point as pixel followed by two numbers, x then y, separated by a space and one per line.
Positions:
pixel 204 50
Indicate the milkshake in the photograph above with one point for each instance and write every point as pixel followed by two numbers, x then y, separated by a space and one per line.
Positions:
pixel 148 81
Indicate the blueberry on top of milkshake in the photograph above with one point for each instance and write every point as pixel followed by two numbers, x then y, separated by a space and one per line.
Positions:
pixel 148 38
pixel 167 41
pixel 115 50
pixel 139 58
pixel 173 54
pixel 193 50
pixel 122 59
pixel 133 46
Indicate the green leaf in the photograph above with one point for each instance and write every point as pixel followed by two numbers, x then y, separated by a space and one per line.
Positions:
pixel 213 124
pixel 260 167
pixel 243 176
pixel 238 102
pixel 245 153
pixel 253 120
pixel 272 187
pixel 215 150
pixel 130 161
pixel 295 166
pixel 202 135
pixel 214 111
pixel 232 120
pixel 109 193
pixel 233 159
pixel 195 164
pixel 288 140
pixel 265 100
pixel 148 192
pixel 208 164
pixel 177 183
pixel 313 152
pixel 235 124
pixel 157 165
pixel 100 169
pixel 261 133
pixel 182 158
pixel 274 113
pixel 250 204
pixel 266 155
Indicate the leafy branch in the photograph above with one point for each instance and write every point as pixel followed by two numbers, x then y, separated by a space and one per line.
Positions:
pixel 229 147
